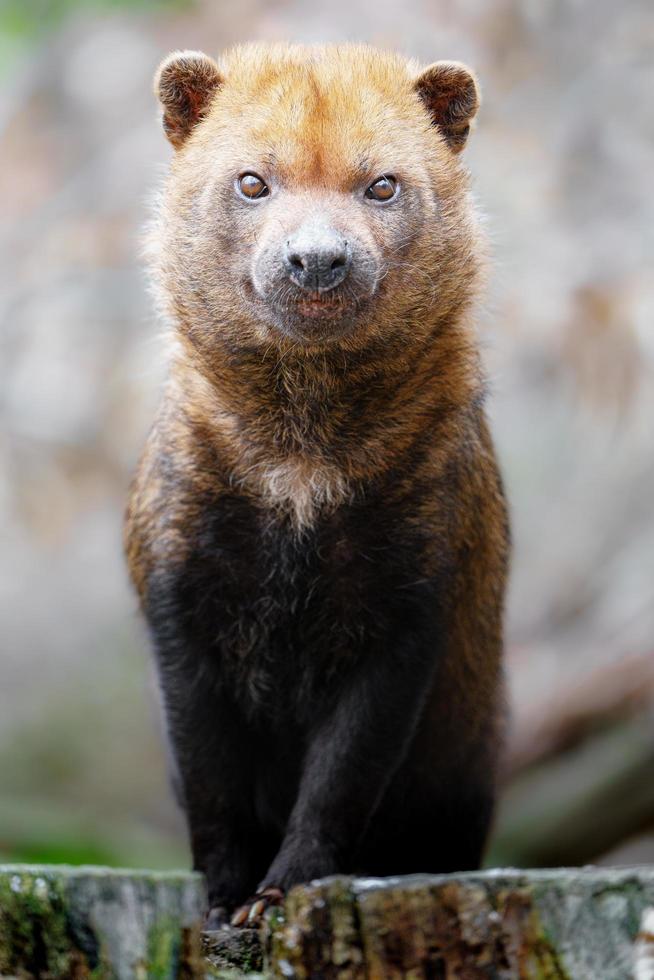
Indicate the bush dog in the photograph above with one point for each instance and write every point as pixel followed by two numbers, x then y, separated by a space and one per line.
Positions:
pixel 317 529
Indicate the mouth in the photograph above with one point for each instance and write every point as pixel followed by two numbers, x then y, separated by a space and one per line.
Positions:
pixel 314 319
pixel 311 316
pixel 318 306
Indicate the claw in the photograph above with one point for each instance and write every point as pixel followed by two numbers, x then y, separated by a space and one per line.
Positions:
pixel 240 915
pixel 257 910
pixel 252 912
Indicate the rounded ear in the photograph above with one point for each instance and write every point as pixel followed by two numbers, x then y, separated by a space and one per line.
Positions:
pixel 450 93
pixel 184 84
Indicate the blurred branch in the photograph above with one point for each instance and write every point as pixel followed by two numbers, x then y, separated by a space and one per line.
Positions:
pixel 608 693
pixel 578 805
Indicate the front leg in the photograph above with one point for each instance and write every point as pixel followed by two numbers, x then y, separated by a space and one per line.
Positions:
pixel 214 757
pixel 354 751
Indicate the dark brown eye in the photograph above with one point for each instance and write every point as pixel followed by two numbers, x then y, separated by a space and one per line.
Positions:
pixel 252 186
pixel 383 189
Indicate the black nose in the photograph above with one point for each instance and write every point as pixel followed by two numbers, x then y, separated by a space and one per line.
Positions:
pixel 317 262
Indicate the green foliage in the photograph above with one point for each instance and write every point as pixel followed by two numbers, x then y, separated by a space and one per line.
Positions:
pixel 84 781
pixel 29 18
pixel 72 851
pixel 42 831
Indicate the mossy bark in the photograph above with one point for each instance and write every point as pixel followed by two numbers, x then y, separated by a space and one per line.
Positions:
pixel 233 953
pixel 510 925
pixel 566 924
pixel 73 923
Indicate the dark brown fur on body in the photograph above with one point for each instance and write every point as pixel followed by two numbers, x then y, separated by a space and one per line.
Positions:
pixel 317 530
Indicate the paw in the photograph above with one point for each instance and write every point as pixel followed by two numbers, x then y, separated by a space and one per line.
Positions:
pixel 251 913
pixel 217 917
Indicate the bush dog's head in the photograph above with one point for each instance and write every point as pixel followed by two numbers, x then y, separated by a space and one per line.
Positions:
pixel 316 196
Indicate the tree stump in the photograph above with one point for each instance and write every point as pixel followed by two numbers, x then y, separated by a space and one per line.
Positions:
pixel 567 924
pixel 59 923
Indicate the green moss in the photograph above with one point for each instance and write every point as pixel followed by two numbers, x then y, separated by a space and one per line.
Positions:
pixel 234 952
pixel 164 944
pixel 542 956
pixel 228 974
pixel 251 961
pixel 546 965
pixel 33 927
pixel 535 949
pixel 632 892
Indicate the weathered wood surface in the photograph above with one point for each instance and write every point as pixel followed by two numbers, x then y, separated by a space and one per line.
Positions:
pixel 60 923
pixel 233 953
pixel 563 924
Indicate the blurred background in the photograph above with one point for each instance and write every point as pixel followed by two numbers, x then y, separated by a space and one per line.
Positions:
pixel 562 161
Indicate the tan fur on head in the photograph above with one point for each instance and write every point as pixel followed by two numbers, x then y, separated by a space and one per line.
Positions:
pixel 184 84
pixel 298 423
pixel 450 93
